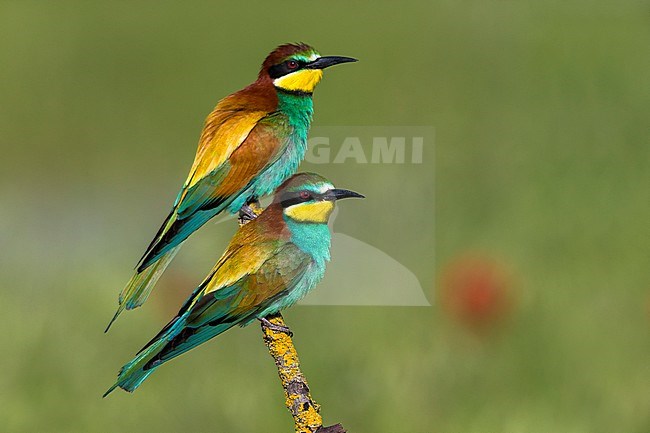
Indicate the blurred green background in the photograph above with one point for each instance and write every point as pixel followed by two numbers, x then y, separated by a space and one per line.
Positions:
pixel 541 114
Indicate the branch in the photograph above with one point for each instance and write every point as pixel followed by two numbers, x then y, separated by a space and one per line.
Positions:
pixel 303 408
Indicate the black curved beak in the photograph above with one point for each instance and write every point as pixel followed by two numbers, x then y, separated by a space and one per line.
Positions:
pixel 327 61
pixel 338 194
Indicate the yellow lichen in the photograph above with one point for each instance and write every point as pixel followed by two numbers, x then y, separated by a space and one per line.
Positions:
pixel 302 407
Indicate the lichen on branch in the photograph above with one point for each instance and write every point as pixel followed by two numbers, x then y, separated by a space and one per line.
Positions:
pixel 304 410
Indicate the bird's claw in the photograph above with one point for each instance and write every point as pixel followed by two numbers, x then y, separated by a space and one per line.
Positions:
pixel 277 328
pixel 246 214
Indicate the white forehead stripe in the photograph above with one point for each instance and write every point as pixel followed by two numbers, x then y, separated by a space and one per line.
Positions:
pixel 313 57
pixel 325 187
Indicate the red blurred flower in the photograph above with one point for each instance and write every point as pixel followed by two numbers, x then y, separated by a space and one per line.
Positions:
pixel 477 291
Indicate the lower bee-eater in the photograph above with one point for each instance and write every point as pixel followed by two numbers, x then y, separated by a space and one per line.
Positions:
pixel 271 262
pixel 251 142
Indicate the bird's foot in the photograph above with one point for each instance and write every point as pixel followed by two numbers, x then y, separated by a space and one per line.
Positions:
pixel 255 206
pixel 251 210
pixel 277 328
pixel 246 214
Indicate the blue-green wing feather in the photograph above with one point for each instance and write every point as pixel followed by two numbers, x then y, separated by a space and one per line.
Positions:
pixel 201 195
pixel 206 315
pixel 240 303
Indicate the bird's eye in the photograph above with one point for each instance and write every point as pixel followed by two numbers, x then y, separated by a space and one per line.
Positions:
pixel 305 195
pixel 292 64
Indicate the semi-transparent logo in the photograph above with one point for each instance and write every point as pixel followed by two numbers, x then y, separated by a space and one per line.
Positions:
pixel 382 247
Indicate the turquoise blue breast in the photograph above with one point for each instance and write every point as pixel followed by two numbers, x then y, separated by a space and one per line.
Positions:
pixel 315 240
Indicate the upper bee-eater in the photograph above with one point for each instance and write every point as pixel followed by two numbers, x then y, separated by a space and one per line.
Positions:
pixel 270 263
pixel 252 141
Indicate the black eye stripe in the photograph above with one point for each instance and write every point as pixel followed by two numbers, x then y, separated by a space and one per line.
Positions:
pixel 291 201
pixel 292 198
pixel 277 71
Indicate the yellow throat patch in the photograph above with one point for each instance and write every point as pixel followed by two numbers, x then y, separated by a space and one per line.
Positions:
pixel 317 212
pixel 304 80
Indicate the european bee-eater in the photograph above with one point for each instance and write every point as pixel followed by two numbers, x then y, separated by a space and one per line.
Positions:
pixel 271 262
pixel 252 141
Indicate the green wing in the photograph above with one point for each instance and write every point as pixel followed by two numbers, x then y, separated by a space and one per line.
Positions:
pixel 213 312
